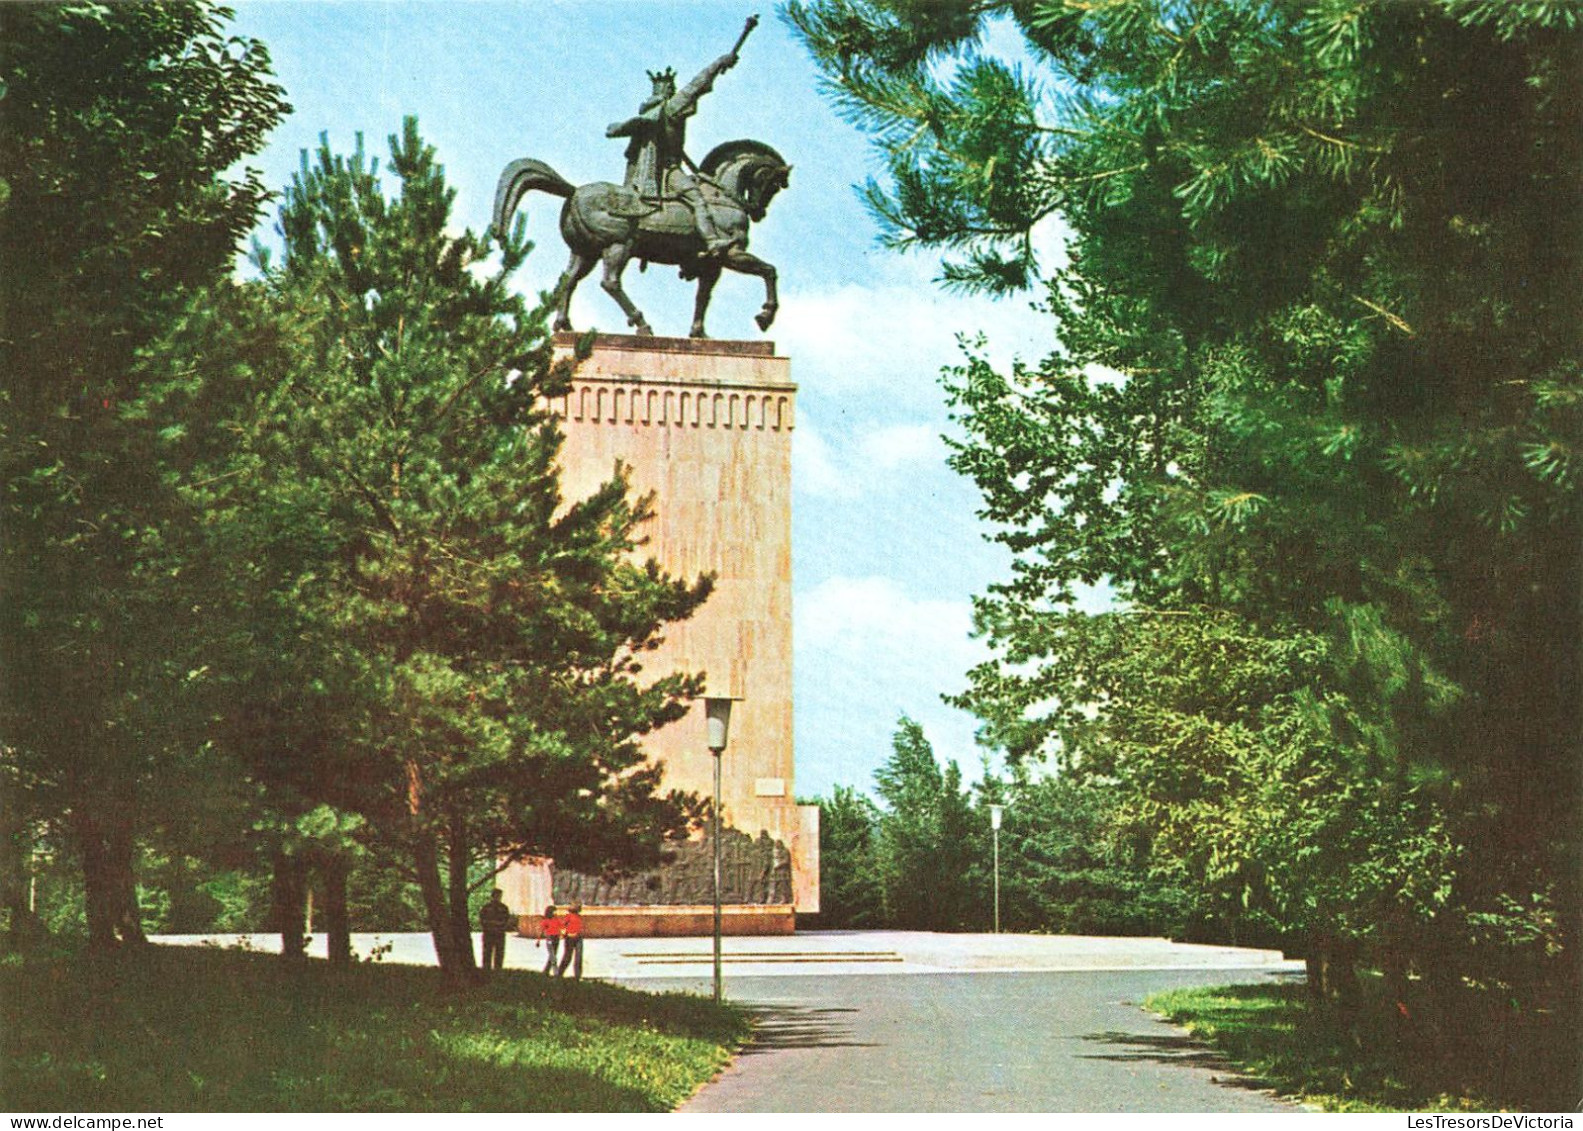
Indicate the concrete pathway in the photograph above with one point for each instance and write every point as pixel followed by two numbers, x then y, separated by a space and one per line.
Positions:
pixel 984 1042
pixel 993 1023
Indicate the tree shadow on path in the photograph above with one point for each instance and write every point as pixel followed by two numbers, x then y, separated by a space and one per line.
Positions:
pixel 777 1027
pixel 1173 1049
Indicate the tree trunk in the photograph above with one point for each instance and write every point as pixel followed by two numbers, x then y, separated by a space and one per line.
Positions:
pixel 457 857
pixel 1315 959
pixel 1314 965
pixel 337 922
pixel 1343 979
pixel 291 910
pixel 97 889
pixel 1331 963
pixel 426 861
pixel 109 888
pixel 27 929
pixel 1446 996
pixel 16 876
pixel 1393 969
pixel 123 855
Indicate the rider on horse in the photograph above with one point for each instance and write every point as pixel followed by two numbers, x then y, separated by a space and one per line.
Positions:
pixel 695 218
pixel 658 168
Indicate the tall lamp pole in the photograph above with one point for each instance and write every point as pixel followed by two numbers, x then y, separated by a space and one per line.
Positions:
pixel 994 826
pixel 717 713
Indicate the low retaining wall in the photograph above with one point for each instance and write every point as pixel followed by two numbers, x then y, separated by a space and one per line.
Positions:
pixel 677 921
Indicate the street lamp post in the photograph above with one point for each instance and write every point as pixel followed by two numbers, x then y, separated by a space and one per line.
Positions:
pixel 994 826
pixel 717 713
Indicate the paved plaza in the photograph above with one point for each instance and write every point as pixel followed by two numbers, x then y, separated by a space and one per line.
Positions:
pixel 1073 1041
pixel 819 954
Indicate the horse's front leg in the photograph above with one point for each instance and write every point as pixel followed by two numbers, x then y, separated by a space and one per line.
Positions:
pixel 708 276
pixel 616 259
pixel 748 264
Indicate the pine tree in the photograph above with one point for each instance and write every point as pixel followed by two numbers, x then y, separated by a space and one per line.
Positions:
pixel 413 627
pixel 1317 389
pixel 925 843
pixel 849 890
pixel 121 129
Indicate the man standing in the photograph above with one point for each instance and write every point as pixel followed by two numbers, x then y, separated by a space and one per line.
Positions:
pixel 572 932
pixel 494 920
pixel 658 167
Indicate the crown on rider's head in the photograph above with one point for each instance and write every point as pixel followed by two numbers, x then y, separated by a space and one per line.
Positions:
pixel 668 75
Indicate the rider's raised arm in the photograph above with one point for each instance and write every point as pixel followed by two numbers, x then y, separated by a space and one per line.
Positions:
pixel 685 100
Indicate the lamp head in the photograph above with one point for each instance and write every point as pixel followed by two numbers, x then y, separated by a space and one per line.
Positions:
pixel 717 715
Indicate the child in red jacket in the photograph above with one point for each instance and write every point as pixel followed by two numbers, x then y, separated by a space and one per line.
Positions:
pixel 550 930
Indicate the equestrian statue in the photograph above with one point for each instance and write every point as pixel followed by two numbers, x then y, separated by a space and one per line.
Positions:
pixel 669 210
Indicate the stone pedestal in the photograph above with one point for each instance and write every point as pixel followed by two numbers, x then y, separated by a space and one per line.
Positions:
pixel 707 426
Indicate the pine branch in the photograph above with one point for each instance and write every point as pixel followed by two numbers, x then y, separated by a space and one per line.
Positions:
pixel 1394 319
pixel 1341 141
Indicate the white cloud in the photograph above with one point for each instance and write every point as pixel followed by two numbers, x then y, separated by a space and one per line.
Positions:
pixel 868 651
pixel 816 469
pixel 896 337
pixel 897 445
pixel 871 613
pixel 849 469
pixel 879 346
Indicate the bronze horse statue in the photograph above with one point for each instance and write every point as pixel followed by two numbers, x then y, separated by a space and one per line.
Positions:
pixel 613 224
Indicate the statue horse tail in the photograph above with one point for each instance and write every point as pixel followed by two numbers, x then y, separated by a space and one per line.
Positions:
pixel 519 179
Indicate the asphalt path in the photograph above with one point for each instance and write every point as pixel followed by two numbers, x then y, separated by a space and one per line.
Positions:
pixel 1073 1041
pixel 860 1021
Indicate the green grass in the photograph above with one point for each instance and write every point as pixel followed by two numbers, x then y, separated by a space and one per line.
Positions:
pixel 1272 1034
pixel 181 1029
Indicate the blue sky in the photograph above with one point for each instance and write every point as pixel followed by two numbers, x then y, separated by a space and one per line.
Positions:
pixel 887 551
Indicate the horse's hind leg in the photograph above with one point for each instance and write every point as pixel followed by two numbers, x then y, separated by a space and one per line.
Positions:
pixel 708 276
pixel 576 271
pixel 616 257
pixel 739 260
